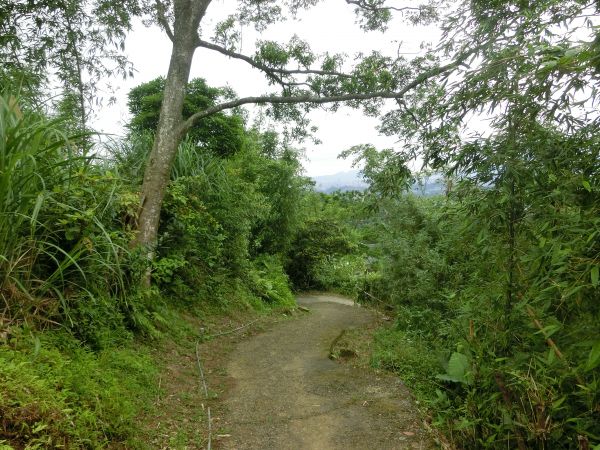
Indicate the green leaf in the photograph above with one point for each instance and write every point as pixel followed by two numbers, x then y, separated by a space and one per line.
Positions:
pixel 551 356
pixel 39 427
pixel 457 369
pixel 594 357
pixel 37 345
pixel 594 275
pixel 549 330
pixel 572 52
pixel 549 64
pixel 586 185
pixel 557 403
pixel 573 290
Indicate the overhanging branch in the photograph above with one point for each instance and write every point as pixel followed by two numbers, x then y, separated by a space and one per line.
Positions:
pixel 364 5
pixel 268 70
pixel 273 71
pixel 315 99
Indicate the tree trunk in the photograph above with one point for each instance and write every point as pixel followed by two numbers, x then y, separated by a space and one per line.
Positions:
pixel 188 14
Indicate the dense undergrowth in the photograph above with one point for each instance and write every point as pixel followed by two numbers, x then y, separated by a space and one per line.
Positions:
pixel 496 331
pixel 58 393
pixel 78 333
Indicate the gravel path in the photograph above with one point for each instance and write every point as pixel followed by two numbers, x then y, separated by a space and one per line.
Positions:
pixel 287 393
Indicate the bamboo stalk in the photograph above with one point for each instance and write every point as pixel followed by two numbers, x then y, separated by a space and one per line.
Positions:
pixel 550 342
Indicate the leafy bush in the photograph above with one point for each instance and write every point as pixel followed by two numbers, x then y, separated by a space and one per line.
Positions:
pixel 344 274
pixel 206 227
pixel 494 290
pixel 228 221
pixel 63 232
pixel 527 372
pixel 317 240
pixel 268 281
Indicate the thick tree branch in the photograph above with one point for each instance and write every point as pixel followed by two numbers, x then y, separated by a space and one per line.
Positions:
pixel 162 20
pixel 272 71
pixel 315 99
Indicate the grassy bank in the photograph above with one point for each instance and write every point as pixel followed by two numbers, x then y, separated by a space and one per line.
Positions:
pixel 57 392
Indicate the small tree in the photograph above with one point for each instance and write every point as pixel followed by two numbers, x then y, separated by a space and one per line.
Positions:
pixel 220 133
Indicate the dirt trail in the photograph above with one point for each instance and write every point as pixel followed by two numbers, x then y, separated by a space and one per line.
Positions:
pixel 287 393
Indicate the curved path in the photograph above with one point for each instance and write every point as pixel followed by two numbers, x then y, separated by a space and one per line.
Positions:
pixel 287 393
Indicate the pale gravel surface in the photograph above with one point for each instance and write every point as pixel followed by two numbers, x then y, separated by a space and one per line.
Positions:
pixel 287 393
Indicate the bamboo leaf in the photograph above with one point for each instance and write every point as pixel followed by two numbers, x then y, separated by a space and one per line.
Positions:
pixel 586 185
pixel 594 273
pixel 594 357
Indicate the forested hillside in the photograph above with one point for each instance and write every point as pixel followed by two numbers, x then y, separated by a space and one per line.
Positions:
pixel 113 251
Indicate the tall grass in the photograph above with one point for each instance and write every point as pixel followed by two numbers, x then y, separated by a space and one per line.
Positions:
pixel 29 158
pixel 130 156
pixel 54 244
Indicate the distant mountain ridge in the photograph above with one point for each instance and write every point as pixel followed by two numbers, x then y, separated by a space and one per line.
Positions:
pixel 353 181
pixel 341 181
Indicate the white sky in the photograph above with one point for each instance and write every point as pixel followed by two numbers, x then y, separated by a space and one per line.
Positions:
pixel 329 26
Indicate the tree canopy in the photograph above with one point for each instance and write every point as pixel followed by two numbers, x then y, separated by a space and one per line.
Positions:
pixel 220 133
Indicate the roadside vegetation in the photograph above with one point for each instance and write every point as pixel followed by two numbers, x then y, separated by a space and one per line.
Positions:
pixel 111 251
pixel 494 291
pixel 76 367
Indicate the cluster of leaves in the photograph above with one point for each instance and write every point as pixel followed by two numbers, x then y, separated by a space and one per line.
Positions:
pixel 220 134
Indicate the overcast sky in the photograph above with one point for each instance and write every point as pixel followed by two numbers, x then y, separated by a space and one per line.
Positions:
pixel 329 26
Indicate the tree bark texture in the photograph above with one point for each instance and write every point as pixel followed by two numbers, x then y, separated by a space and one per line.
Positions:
pixel 188 14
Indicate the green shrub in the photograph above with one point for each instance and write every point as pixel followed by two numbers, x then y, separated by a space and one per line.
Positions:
pixel 65 256
pixel 268 281
pixel 344 274
pixel 494 332
pixel 318 240
pixel 410 357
